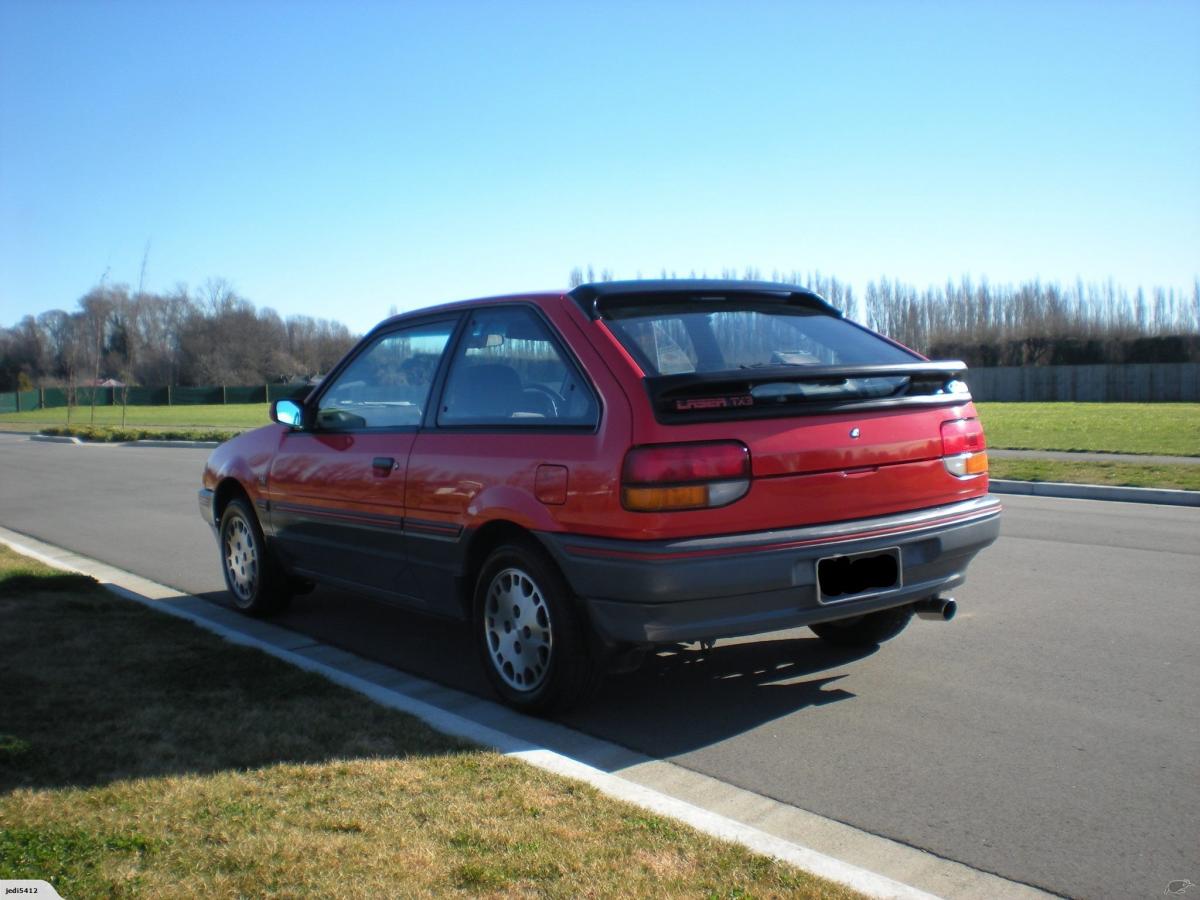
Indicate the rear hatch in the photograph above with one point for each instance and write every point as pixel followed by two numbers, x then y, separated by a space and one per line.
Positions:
pixel 815 418
pixel 840 422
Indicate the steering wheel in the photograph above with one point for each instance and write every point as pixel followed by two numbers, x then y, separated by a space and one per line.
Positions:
pixel 552 397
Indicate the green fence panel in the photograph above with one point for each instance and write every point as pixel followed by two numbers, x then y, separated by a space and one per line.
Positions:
pixel 256 393
pixel 288 391
pixel 51 397
pixel 145 396
pixel 84 395
pixel 191 396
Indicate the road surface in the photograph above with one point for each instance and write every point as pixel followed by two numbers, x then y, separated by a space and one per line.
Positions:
pixel 1050 734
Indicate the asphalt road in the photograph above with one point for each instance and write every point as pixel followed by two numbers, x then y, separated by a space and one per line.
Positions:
pixel 1050 734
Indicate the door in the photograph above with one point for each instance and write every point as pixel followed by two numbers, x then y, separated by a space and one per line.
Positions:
pixel 515 426
pixel 336 488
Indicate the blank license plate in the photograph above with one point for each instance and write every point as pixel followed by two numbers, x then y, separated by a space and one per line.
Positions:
pixel 859 574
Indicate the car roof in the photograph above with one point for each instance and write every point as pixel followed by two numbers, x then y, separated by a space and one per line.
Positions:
pixel 457 305
pixel 592 297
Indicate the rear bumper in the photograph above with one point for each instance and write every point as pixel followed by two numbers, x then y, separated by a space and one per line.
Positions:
pixel 701 588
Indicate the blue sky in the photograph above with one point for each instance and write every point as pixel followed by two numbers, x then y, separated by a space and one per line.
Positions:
pixel 338 159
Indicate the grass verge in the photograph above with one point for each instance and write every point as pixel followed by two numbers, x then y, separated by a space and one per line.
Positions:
pixel 1182 477
pixel 1166 428
pixel 142 756
pixel 1148 428
pixel 233 417
pixel 116 434
pixel 1171 429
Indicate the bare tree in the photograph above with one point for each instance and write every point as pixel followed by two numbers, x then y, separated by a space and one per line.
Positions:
pixel 97 307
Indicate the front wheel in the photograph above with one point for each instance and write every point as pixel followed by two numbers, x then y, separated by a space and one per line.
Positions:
pixel 865 630
pixel 531 637
pixel 255 583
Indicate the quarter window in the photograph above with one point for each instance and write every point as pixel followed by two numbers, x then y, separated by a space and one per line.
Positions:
pixel 508 370
pixel 387 385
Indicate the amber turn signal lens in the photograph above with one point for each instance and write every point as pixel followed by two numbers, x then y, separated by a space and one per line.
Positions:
pixel 654 499
pixel 977 464
pixel 966 464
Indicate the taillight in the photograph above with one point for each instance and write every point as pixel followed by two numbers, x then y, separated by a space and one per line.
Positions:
pixel 963 448
pixel 684 476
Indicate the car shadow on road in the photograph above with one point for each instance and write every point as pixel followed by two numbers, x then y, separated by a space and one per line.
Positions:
pixel 682 698
pixel 686 697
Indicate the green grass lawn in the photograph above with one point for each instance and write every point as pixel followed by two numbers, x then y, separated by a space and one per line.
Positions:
pixel 217 417
pixel 1146 428
pixel 1175 476
pixel 1166 428
pixel 143 757
pixel 1171 429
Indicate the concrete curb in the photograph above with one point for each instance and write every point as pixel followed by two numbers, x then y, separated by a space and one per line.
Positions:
pixel 1095 492
pixel 656 785
pixel 55 439
pixel 184 444
pixel 66 439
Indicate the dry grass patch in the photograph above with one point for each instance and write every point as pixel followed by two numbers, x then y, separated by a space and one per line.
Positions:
pixel 141 756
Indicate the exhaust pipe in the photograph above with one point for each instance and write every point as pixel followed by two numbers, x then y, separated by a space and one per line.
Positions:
pixel 936 609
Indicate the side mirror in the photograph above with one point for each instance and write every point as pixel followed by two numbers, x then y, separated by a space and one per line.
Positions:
pixel 287 412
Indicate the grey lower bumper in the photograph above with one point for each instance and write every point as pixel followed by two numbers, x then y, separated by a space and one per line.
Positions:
pixel 684 590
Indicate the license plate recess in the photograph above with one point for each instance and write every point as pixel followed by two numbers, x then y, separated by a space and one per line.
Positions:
pixel 855 575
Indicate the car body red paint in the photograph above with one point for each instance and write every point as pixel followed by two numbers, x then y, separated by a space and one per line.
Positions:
pixel 455 433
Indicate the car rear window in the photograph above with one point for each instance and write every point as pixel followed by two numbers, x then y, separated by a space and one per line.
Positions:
pixel 676 338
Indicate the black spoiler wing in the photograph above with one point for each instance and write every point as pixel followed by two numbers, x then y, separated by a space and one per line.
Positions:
pixel 698 397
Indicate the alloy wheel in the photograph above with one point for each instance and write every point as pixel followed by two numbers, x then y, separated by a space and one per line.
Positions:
pixel 517 623
pixel 241 559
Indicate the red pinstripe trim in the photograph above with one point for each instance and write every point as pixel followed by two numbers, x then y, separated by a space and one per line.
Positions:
pixel 432 527
pixel 324 512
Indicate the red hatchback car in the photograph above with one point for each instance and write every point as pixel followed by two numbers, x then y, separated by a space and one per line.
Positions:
pixel 585 475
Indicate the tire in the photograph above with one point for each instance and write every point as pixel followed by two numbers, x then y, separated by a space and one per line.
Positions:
pixel 531 637
pixel 256 584
pixel 866 630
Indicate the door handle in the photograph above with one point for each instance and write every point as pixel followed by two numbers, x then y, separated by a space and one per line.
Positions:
pixel 383 464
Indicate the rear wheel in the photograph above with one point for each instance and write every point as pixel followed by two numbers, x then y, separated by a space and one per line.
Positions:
pixel 531 637
pixel 866 630
pixel 255 582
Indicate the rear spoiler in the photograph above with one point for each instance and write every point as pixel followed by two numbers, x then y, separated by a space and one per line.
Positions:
pixel 705 396
pixel 607 298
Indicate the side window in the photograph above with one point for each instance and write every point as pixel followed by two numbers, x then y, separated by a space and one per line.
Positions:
pixel 387 385
pixel 508 370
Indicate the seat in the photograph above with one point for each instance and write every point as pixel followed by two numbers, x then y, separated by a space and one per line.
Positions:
pixel 486 391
